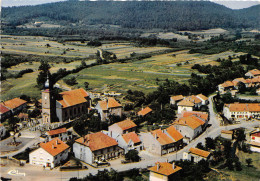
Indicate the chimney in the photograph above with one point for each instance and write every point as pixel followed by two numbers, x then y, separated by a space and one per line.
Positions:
pixel 157 166
pixel 56 141
pixel 52 146
pixel 155 136
pixel 173 165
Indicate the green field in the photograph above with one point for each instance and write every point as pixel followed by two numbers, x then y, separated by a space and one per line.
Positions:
pixel 141 75
pixel 37 45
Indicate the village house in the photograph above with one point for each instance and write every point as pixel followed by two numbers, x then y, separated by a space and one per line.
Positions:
pixel 225 87
pixel 144 112
pixel 237 81
pixel 175 99
pixel 108 107
pixel 123 127
pixel 130 141
pixel 204 116
pixel 15 105
pixel 196 155
pixel 50 154
pixel 2 131
pixel 258 91
pixel 195 100
pixel 204 99
pixel 62 133
pixel 185 105
pixel 162 142
pixel 4 112
pixel 252 73
pixel 164 171
pixel 255 142
pixel 96 147
pixel 227 134
pixel 242 110
pixel 190 127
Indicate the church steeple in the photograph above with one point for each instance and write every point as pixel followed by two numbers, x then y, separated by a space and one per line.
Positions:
pixel 47 83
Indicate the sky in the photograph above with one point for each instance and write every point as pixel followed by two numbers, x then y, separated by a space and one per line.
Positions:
pixel 233 4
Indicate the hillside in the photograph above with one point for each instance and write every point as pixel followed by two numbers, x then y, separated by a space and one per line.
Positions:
pixel 139 15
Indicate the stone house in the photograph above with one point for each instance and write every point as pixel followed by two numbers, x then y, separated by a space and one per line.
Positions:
pixel 227 134
pixel 204 116
pixel 185 105
pixel 226 86
pixel 96 147
pixel 164 171
pixel 204 99
pixel 123 127
pixel 4 112
pixel 196 155
pixel 162 142
pixel 145 112
pixel 62 133
pixel 255 142
pixel 190 127
pixel 241 110
pixel 15 105
pixel 108 107
pixel 50 154
pixel 195 100
pixel 175 99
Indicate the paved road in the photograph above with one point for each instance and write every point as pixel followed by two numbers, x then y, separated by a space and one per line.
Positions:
pixel 37 173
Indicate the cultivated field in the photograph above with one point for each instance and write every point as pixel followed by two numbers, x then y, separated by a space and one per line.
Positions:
pixel 144 75
pixel 38 46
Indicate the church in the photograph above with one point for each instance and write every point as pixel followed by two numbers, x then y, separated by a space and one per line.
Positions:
pixel 64 106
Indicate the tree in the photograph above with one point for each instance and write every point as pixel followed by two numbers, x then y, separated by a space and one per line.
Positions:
pixel 249 161
pixel 86 84
pixel 132 156
pixel 210 143
pixel 12 123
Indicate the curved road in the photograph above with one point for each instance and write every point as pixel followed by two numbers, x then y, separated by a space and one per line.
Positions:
pixel 37 173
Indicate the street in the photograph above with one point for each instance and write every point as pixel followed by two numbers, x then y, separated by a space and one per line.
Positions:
pixel 33 173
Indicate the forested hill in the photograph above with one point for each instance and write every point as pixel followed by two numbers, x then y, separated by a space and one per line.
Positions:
pixel 133 14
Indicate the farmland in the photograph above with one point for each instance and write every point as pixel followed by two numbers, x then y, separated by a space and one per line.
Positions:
pixel 144 75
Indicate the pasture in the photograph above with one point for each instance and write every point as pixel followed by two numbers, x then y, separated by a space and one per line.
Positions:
pixel 43 46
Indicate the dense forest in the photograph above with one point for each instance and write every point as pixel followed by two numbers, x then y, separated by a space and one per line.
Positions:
pixel 173 15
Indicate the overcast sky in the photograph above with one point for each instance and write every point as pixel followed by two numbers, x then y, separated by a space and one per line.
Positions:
pixel 231 4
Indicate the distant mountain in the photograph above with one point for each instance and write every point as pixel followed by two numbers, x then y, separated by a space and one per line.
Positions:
pixel 180 15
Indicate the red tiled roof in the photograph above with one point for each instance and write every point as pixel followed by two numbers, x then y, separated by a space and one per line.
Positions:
pixel 112 103
pixel 131 136
pixel 185 102
pixel 53 148
pixel 228 84
pixel 199 152
pixel 14 103
pixel 177 98
pixel 126 124
pixel 241 107
pixel 255 72
pixel 97 141
pixel 57 131
pixel 161 137
pixel 73 97
pixel 109 103
pixel 3 109
pixel 176 135
pixel 193 99
pixel 1 125
pixel 190 121
pixel 202 97
pixel 237 80
pixel 202 115
pixel 144 111
pixel 165 168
